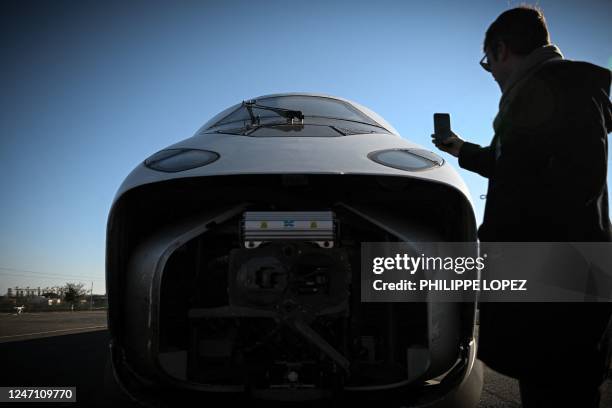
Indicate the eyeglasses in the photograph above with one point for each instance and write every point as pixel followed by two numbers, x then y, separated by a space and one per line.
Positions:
pixel 484 63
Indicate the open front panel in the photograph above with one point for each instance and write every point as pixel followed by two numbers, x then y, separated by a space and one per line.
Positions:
pixel 266 297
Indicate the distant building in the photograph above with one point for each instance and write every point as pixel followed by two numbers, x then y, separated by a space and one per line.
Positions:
pixel 26 292
pixel 21 292
pixel 37 300
pixel 48 296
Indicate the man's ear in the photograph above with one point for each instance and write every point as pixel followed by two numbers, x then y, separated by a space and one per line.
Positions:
pixel 502 52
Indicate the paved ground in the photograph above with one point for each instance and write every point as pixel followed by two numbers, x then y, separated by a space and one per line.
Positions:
pixel 27 326
pixel 503 392
pixel 69 349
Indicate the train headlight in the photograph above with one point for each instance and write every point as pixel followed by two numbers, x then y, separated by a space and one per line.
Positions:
pixel 407 159
pixel 175 160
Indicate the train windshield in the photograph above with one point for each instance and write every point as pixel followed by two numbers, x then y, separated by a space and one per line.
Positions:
pixel 310 106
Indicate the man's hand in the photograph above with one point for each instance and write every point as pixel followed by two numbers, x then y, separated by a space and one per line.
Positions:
pixel 451 145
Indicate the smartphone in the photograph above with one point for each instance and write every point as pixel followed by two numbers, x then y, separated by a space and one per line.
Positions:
pixel 442 127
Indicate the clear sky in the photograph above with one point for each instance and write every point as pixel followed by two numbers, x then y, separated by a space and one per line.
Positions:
pixel 90 89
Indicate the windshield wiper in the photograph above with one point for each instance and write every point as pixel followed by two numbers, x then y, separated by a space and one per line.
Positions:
pixel 248 129
pixel 291 115
pixel 354 121
pixel 294 126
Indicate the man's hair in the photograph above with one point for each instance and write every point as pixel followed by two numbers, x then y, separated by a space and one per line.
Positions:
pixel 522 29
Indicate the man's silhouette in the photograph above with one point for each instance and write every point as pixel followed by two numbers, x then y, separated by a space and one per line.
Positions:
pixel 547 166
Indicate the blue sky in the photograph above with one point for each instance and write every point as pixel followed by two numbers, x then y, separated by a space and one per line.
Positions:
pixel 90 89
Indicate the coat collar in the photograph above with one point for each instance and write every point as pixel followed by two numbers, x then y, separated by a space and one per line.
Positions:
pixel 528 66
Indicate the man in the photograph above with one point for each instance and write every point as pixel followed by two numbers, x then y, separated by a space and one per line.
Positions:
pixel 547 166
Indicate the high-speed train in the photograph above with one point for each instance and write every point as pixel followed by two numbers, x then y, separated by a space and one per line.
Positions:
pixel 233 263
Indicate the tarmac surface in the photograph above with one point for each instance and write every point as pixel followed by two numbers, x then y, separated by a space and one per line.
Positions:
pixel 27 326
pixel 69 349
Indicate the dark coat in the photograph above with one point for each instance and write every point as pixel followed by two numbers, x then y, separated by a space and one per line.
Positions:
pixel 547 166
pixel 549 180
